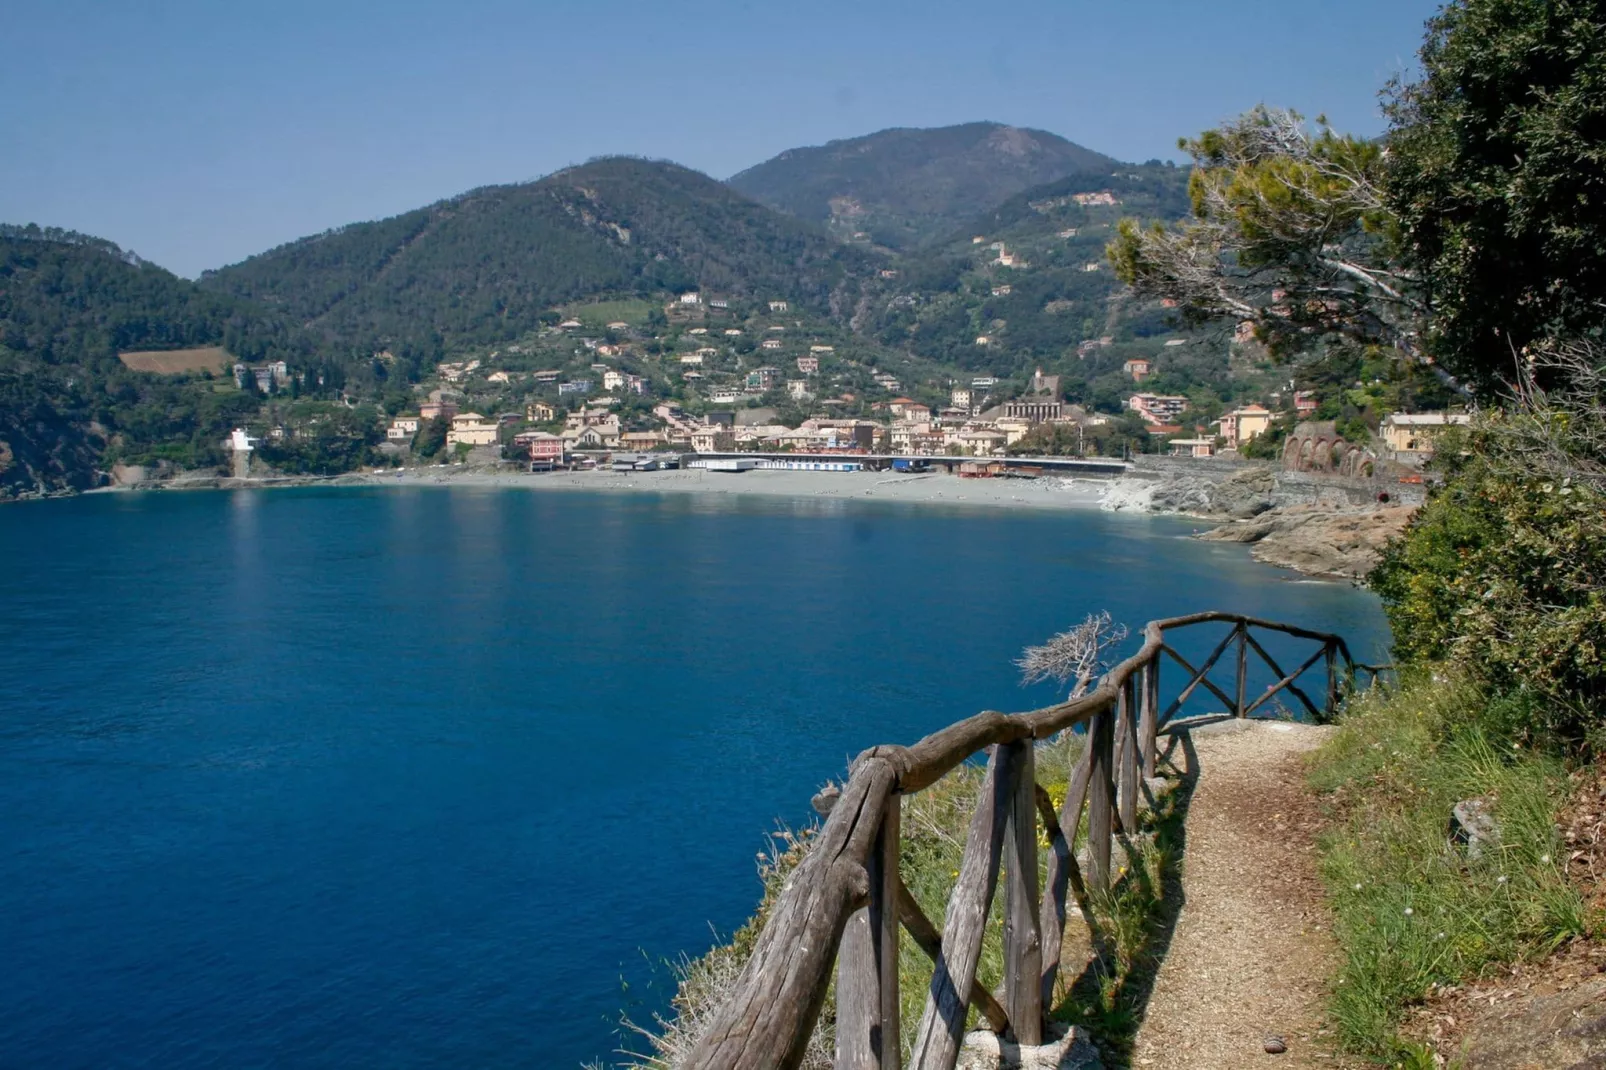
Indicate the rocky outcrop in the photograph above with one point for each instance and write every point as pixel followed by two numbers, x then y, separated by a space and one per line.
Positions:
pixel 1064 1048
pixel 1317 540
pixel 1241 495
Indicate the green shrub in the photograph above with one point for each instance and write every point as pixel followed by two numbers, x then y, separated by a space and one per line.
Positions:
pixel 1501 574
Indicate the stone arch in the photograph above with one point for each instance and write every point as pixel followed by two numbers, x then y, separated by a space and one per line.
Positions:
pixel 1305 448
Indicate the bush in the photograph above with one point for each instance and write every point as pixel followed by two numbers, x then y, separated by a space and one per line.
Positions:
pixel 1501 571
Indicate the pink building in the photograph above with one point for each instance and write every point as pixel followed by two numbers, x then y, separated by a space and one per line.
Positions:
pixel 545 450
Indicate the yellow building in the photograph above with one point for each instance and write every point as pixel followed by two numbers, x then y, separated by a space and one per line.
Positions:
pixel 1241 426
pixel 1412 434
pixel 473 429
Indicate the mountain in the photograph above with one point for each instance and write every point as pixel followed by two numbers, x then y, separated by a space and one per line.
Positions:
pixel 1026 284
pixel 901 188
pixel 483 266
pixel 69 304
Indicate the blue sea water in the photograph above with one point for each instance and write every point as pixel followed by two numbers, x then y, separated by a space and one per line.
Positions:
pixel 434 777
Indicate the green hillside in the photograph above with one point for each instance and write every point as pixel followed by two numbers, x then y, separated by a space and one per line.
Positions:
pixel 902 188
pixel 1055 293
pixel 68 305
pixel 484 266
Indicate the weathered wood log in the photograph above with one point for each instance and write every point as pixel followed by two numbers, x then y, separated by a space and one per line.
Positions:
pixel 1271 663
pixel 1149 726
pixel 929 940
pixel 1243 668
pixel 929 760
pixel 1198 677
pixel 1130 763
pixel 867 1009
pixel 1100 798
pixel 1062 872
pixel 1332 679
pixel 1023 946
pixel 936 1045
pixel 777 997
pixel 1287 681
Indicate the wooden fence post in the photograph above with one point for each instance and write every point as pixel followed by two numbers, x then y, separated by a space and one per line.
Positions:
pixel 942 1024
pixel 1023 945
pixel 1332 679
pixel 1129 764
pixel 1148 728
pixel 868 1011
pixel 1100 792
pixel 1243 665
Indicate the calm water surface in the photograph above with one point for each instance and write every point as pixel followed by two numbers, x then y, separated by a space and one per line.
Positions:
pixel 431 777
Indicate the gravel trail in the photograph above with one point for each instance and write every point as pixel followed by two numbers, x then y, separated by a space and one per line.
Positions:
pixel 1253 950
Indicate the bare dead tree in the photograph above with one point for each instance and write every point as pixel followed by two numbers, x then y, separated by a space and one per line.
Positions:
pixel 1556 431
pixel 1074 657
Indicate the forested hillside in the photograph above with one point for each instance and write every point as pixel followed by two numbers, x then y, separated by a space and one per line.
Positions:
pixel 484 266
pixel 902 188
pixel 1023 285
pixel 68 304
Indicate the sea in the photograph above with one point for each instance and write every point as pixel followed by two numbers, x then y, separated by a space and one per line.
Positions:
pixel 449 776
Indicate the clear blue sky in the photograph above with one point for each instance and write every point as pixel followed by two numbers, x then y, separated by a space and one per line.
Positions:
pixel 198 132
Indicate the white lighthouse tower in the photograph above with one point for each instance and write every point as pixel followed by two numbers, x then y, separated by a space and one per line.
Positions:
pixel 241 444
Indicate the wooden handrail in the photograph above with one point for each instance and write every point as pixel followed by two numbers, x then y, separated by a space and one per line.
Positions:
pixel 852 866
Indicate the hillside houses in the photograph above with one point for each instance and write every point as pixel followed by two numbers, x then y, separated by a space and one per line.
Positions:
pixel 1157 409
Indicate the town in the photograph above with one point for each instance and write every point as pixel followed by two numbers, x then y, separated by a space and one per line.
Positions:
pixel 699 377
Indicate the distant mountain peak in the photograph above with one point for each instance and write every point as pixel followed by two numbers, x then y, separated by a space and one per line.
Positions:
pixel 908 185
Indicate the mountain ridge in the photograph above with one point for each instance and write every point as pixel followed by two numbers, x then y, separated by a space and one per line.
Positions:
pixel 903 187
pixel 487 263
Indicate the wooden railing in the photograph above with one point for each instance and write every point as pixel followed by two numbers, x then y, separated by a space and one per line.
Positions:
pixel 843 904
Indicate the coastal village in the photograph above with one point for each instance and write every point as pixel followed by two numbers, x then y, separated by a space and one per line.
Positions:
pixel 705 375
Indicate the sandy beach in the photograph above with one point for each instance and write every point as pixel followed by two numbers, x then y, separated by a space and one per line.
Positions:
pixel 1047 492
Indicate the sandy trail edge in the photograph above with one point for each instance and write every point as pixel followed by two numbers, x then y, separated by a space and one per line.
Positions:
pixel 1253 947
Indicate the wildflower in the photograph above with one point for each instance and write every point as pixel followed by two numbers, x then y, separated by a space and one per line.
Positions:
pixel 1500 880
pixel 1357 886
pixel 1409 912
pixel 1439 937
pixel 1544 860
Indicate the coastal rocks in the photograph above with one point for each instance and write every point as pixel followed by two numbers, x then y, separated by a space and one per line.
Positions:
pixel 1318 541
pixel 1065 1048
pixel 1473 827
pixel 1239 494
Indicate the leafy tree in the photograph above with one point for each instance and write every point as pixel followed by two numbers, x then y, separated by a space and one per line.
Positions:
pixel 1290 232
pixel 1497 177
pixel 431 437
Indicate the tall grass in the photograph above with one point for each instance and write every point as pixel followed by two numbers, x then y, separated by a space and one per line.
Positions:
pixel 1412 909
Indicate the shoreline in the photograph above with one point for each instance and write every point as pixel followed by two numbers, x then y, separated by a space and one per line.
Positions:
pixel 919 488
pixel 1320 541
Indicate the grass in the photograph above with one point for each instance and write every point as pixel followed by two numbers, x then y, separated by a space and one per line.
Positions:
pixel 601 313
pixel 1413 911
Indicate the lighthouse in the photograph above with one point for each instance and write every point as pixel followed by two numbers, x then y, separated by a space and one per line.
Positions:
pixel 241 444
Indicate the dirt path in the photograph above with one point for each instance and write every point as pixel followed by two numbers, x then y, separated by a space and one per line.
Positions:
pixel 1253 946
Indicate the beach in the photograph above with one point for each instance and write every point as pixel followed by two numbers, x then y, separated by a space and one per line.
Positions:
pixel 931 488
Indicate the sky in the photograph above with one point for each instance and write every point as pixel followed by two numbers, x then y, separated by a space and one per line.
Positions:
pixel 200 132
